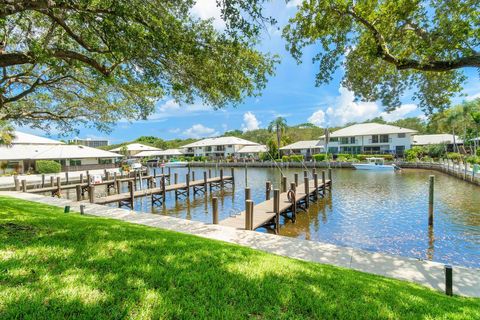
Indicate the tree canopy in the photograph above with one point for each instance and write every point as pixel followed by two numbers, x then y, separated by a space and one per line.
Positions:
pixel 390 47
pixel 71 63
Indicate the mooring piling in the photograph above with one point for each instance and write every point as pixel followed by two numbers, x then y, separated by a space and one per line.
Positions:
pixel 448 280
pixel 268 188
pixel 215 209
pixel 431 190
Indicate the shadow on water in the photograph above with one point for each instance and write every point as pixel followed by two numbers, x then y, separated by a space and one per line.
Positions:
pixel 376 211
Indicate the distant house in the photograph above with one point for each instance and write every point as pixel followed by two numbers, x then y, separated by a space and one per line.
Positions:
pixel 93 143
pixel 160 154
pixel 251 152
pixel 215 148
pixel 370 138
pixel 306 148
pixel 26 149
pixel 134 148
pixel 443 138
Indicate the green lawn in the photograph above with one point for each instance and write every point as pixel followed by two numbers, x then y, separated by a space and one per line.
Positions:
pixel 56 265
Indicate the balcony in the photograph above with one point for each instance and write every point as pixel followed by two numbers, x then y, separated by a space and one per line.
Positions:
pixel 379 141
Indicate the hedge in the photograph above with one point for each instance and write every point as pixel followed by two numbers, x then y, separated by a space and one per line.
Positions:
pixel 48 166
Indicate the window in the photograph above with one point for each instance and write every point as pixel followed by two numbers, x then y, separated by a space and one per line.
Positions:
pixel 375 139
pixel 344 140
pixel 352 140
pixel 333 139
pixel 75 162
pixel 401 135
pixel 384 138
pixel 104 161
pixel 400 150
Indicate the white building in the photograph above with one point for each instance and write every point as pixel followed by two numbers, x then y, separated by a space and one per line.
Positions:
pixel 370 138
pixel 221 147
pixel 26 149
pixel 134 148
pixel 94 143
pixel 443 138
pixel 306 148
pixel 160 154
pixel 251 152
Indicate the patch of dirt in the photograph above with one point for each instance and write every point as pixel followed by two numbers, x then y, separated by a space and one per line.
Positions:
pixel 13 228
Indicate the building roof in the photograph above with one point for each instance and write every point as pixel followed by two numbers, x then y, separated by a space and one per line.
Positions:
pixel 26 138
pixel 426 139
pixel 307 144
pixel 253 149
pixel 220 141
pixel 136 147
pixel 365 129
pixel 52 152
pixel 154 153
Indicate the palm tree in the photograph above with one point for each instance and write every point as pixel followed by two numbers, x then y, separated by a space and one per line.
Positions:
pixel 7 133
pixel 279 126
pixel 476 120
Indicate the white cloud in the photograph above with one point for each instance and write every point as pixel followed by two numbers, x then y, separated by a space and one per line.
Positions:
pixel 399 113
pixel 171 109
pixel 317 118
pixel 345 109
pixel 294 3
pixel 473 97
pixel 198 131
pixel 250 122
pixel 207 9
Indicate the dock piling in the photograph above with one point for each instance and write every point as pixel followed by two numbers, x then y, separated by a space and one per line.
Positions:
pixel 187 181
pixel 296 179
pixel 221 178
pixel 91 193
pixel 276 209
pixel 24 185
pixel 315 185
pixel 448 280
pixel 66 177
pixel 81 177
pixel 248 215
pixel 59 186
pixel 214 209
pixel 78 189
pixel 43 180
pixel 132 193
pixel 284 184
pixel 248 195
pixel 307 191
pixel 330 178
pixel 430 200
pixel 324 187
pixel 268 188
pixel 205 183
pixel 17 183
pixel 52 183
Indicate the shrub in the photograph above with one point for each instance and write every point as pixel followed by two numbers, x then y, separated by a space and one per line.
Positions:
pixel 478 152
pixel 344 156
pixel 296 158
pixel 48 166
pixel 436 150
pixel 415 153
pixel 285 159
pixel 454 156
pixel 473 159
pixel 319 157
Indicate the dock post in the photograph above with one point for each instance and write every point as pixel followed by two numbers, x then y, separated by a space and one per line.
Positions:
pixel 268 188
pixel 155 173
pixel 187 182
pixel 43 180
pixel 164 191
pixel 59 186
pixel 324 187
pixel 91 193
pixel 305 173
pixel 221 178
pixel 81 177
pixel 209 173
pixel 107 175
pixel 88 178
pixel 276 209
pixel 175 178
pixel 314 170
pixel 232 174
pixel 284 184
pixel 430 200
pixel 169 171
pixel 132 193
pixel 246 174
pixel 315 185
pixel 293 187
pixel 248 194
pixel 52 183
pixel 205 182
pixel 448 280
pixel 24 185
pixel 296 179
pixel 66 177
pixel 17 183
pixel 163 171
pixel 214 208
pixel 193 175
pixel 118 185
pixel 78 189
pixel 307 191
pixel 330 179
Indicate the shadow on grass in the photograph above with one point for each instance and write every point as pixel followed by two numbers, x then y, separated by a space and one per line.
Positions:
pixel 85 267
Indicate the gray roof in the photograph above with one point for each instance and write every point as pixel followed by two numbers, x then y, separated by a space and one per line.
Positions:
pixel 307 144
pixel 220 141
pixel 426 139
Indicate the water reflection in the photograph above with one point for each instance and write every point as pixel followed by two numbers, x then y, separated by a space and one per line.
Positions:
pixel 377 211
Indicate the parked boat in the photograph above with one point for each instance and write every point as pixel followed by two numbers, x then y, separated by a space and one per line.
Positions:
pixel 375 164
pixel 174 163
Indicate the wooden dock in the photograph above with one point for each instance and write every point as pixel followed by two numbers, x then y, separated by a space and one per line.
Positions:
pixel 287 204
pixel 158 194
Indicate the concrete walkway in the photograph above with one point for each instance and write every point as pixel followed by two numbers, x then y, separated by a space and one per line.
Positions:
pixel 466 281
pixel 8 181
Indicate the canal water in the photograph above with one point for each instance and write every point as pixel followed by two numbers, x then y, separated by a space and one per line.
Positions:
pixel 375 211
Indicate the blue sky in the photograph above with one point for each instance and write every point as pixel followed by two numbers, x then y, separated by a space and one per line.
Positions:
pixel 291 93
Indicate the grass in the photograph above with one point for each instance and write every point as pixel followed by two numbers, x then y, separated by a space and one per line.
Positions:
pixel 55 266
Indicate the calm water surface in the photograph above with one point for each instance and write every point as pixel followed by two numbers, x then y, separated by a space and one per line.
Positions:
pixel 375 211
